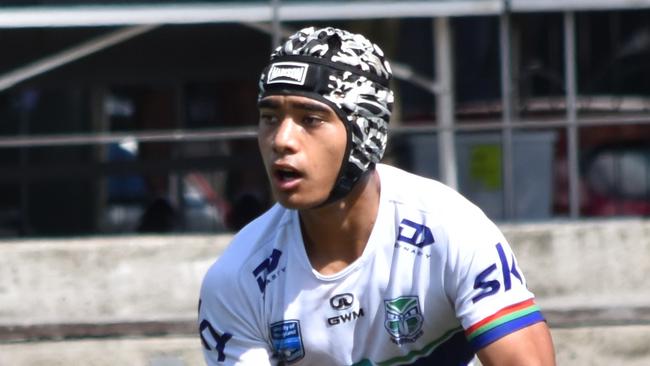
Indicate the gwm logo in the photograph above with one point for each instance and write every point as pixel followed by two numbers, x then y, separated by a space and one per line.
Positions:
pixel 287 73
pixel 342 302
pixel 403 319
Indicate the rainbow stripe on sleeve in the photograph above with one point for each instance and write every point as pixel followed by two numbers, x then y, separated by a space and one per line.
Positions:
pixel 503 322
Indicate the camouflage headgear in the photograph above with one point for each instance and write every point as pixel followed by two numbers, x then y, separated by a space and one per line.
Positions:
pixel 350 74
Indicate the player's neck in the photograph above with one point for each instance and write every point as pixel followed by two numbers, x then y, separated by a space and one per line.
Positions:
pixel 336 235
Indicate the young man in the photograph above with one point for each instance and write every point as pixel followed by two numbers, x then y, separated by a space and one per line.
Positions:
pixel 359 263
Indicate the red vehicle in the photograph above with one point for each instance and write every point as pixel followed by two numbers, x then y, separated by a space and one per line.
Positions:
pixel 616 180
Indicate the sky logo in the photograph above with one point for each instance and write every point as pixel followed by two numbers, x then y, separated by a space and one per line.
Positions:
pixel 414 234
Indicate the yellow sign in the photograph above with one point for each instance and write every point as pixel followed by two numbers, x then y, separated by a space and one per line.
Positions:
pixel 485 166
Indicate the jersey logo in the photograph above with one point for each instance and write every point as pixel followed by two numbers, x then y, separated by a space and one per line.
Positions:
pixel 403 319
pixel 347 317
pixel 264 269
pixel 220 340
pixel 490 287
pixel 414 233
pixel 287 341
pixel 342 301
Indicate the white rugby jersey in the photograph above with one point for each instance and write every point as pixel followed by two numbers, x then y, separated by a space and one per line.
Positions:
pixel 436 282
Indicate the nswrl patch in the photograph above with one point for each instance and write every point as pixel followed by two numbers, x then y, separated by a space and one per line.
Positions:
pixel 287 340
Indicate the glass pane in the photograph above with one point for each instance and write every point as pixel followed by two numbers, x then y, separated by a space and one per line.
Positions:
pixel 417 153
pixel 615 161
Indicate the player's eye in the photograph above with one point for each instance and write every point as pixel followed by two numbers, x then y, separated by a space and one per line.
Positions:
pixel 268 119
pixel 312 120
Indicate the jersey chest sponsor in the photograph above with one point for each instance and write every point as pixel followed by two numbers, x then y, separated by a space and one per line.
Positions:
pixel 414 237
pixel 402 318
pixel 414 233
pixel 343 303
pixel 345 318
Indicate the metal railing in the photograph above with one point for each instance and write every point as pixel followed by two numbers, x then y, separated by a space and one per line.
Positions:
pixel 275 12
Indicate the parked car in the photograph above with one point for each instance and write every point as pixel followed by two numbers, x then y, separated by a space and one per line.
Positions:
pixel 616 179
pixel 131 206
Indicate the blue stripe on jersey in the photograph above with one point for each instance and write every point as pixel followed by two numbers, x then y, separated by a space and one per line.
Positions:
pixel 455 351
pixel 505 329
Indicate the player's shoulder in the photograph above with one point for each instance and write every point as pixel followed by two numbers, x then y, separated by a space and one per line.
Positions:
pixel 424 194
pixel 455 221
pixel 248 247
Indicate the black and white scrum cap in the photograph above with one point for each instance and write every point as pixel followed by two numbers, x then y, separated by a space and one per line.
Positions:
pixel 350 74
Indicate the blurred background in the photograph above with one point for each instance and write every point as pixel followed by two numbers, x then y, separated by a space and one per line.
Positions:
pixel 127 134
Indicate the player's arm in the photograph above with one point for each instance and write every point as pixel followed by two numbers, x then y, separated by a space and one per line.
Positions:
pixel 502 322
pixel 231 346
pixel 531 346
pixel 228 329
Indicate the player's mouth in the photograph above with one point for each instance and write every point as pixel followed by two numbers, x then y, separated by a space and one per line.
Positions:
pixel 286 177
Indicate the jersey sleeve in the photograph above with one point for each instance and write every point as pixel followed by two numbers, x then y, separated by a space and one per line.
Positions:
pixel 485 283
pixel 227 323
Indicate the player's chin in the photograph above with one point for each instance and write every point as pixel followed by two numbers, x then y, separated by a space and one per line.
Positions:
pixel 297 202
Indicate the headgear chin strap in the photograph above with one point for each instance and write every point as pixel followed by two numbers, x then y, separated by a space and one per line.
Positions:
pixel 348 73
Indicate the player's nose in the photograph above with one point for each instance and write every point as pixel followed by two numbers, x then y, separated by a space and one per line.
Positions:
pixel 285 139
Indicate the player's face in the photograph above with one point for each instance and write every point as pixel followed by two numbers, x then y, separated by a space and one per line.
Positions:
pixel 302 142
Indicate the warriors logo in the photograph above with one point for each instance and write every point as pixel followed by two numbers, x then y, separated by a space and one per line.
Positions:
pixel 403 319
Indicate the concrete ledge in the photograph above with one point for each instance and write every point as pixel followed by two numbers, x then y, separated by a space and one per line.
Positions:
pixel 581 265
pixel 603 346
pixel 155 351
pixel 108 279
pixel 132 300
pixel 557 319
pixel 592 346
pixel 59 332
pixel 585 264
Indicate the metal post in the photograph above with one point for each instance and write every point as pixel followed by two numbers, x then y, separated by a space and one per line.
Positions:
pixel 275 23
pixel 445 101
pixel 100 123
pixel 571 113
pixel 26 110
pixel 177 186
pixel 507 104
